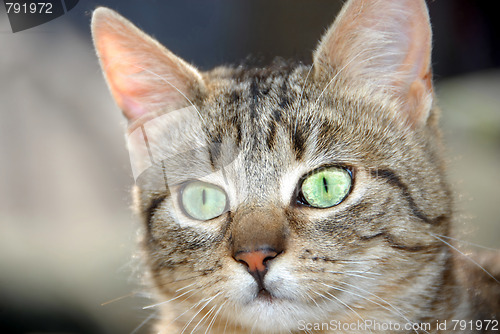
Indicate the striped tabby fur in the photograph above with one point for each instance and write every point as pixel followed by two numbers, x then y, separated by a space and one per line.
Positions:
pixel 366 104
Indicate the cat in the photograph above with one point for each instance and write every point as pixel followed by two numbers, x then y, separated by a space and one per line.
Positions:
pixel 296 198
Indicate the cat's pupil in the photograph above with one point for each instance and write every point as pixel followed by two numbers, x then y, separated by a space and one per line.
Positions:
pixel 202 201
pixel 326 187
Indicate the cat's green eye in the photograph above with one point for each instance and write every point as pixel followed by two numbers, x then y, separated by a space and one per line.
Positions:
pixel 203 201
pixel 326 187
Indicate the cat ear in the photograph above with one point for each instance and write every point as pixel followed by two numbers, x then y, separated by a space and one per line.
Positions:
pixel 383 46
pixel 144 77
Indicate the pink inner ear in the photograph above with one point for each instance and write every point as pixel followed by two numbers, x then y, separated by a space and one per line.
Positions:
pixel 142 75
pixel 119 69
pixel 385 45
pixel 418 55
pixel 127 92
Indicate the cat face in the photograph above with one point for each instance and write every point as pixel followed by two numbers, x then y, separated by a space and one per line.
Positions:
pixel 289 193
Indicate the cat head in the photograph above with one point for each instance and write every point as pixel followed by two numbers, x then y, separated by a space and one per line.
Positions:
pixel 288 193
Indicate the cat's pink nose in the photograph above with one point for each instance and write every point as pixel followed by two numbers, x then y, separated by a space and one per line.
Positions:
pixel 256 260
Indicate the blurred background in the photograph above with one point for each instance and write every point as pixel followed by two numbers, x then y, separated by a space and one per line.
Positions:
pixel 67 236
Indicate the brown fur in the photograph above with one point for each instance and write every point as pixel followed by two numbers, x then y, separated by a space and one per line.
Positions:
pixel 365 104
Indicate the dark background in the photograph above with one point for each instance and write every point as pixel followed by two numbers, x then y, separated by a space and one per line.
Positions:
pixel 210 33
pixel 66 231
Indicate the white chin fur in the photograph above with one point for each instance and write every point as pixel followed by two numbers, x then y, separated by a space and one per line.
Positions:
pixel 281 313
pixel 275 316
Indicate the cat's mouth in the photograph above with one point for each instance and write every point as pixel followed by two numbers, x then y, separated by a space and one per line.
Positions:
pixel 264 295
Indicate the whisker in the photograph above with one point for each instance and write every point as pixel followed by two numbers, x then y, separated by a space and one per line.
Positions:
pixel 201 309
pixel 466 256
pixel 364 272
pixel 467 242
pixel 358 295
pixel 346 65
pixel 167 301
pixel 322 296
pixel 205 316
pixel 180 280
pixel 185 287
pixel 356 261
pixel 186 311
pixel 385 301
pixel 350 308
pixel 394 310
pixel 173 86
pixel 212 322
pixel 335 77
pixel 348 274
pixel 145 321
pixel 119 298
pixel 334 297
pixel 312 300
